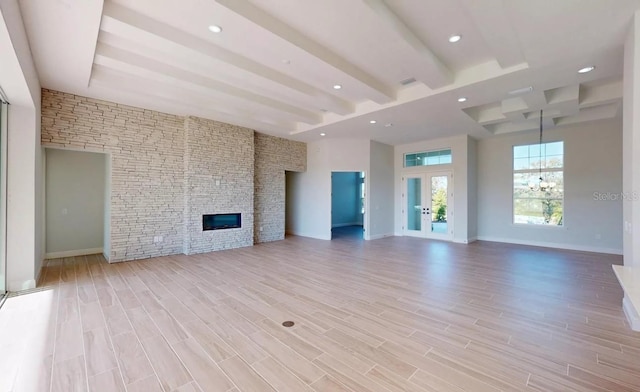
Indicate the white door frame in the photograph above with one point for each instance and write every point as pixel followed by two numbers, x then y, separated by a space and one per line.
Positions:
pixel 424 207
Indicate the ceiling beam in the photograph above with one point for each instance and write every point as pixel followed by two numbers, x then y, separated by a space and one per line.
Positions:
pixel 79 24
pixel 178 37
pixel 134 59
pixel 492 19
pixel 108 77
pixel 433 72
pixel 378 91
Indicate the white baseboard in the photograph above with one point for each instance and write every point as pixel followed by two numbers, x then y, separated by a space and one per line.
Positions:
pixel 14 285
pixel 465 241
pixel 346 224
pixel 72 253
pixel 378 236
pixel 308 235
pixel 555 245
pixel 106 256
pixel 632 314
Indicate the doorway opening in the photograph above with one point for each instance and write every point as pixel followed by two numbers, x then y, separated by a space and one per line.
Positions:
pixel 77 203
pixel 427 205
pixel 348 196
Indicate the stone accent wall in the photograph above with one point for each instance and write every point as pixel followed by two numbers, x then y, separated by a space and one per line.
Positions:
pixel 166 170
pixel 273 155
pixel 219 180
pixel 146 150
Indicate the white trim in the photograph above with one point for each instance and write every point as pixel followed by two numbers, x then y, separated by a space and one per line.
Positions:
pixel 72 253
pixel 4 114
pixel 315 236
pixel 632 314
pixel 555 245
pixel 3 96
pixel 379 236
pixel 39 273
pixel 16 285
pixel 465 240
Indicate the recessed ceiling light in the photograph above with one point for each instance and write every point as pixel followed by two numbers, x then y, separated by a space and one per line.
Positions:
pixel 372 122
pixel 455 38
pixel 215 29
pixel 586 69
pixel 462 99
pixel 323 134
pixel 337 86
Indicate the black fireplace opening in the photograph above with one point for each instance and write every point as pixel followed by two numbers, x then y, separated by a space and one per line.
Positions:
pixel 221 221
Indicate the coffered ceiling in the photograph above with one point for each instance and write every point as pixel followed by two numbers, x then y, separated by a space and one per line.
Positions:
pixel 274 64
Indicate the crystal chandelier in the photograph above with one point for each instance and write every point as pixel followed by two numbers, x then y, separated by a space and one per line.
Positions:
pixel 542 185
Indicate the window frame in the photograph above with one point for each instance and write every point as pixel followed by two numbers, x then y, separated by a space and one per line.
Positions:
pixel 438 150
pixel 535 173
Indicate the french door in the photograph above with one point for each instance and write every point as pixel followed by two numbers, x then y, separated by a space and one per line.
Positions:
pixel 427 205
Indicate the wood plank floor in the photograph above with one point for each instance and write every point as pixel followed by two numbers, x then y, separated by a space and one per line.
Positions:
pixel 395 314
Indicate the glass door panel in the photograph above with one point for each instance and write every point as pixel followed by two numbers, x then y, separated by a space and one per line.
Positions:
pixel 439 202
pixel 427 205
pixel 413 207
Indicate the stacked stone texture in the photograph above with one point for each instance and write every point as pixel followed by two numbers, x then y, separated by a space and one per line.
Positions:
pixel 273 156
pixel 146 149
pixel 219 180
pixel 165 170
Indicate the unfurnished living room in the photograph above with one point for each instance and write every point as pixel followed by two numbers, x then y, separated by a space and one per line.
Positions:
pixel 328 196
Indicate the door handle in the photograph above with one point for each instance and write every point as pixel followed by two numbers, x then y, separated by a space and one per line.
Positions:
pixel 425 211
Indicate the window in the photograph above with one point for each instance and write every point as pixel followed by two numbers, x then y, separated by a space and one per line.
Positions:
pixel 538 184
pixel 427 158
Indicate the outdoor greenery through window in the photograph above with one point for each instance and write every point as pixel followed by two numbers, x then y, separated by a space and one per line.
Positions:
pixel 427 158
pixel 538 184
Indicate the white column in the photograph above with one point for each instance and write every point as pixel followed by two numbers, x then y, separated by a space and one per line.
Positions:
pixel 24 167
pixel 631 145
pixel 629 275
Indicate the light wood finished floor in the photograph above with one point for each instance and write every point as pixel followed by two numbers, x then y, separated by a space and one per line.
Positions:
pixel 396 314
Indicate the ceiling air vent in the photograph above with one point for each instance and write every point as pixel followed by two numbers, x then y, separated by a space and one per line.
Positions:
pixel 521 91
pixel 408 81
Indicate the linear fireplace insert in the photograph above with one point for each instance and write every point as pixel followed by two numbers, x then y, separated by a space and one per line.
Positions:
pixel 221 221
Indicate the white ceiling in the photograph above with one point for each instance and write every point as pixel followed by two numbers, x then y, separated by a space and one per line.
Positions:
pixel 274 65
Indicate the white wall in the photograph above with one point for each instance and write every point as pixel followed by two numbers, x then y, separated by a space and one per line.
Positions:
pixel 380 193
pixel 106 230
pixel 459 146
pixel 345 199
pixel 75 202
pixel 290 206
pixel 472 189
pixel 631 144
pixel 593 162
pixel 309 208
pixel 25 217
